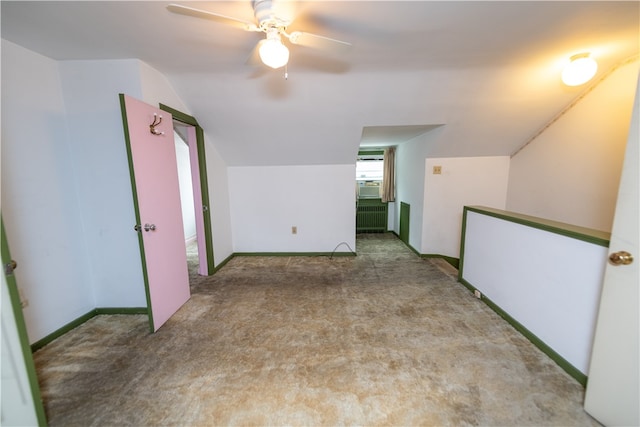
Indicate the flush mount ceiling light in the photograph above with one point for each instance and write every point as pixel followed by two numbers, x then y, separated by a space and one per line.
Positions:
pixel 580 70
pixel 273 53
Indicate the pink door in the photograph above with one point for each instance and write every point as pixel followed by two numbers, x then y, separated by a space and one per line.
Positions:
pixel 154 176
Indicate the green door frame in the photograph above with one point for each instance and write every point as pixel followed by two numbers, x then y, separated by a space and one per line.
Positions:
pixel 204 182
pixel 22 329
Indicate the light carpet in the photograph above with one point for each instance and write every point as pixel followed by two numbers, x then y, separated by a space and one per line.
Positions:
pixel 384 338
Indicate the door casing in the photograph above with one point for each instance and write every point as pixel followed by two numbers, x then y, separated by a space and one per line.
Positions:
pixel 205 212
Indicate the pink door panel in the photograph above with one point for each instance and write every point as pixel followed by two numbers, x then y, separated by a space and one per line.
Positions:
pixel 153 160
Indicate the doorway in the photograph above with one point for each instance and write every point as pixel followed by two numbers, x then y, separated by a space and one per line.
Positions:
pixel 187 205
pixel 371 211
pixel 190 131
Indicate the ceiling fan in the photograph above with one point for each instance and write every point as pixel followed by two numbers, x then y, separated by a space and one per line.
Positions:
pixel 271 51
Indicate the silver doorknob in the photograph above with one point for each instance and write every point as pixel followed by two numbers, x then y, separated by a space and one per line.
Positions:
pixel 621 258
pixel 148 227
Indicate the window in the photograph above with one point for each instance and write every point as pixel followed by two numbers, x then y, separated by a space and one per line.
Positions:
pixel 369 166
pixel 369 173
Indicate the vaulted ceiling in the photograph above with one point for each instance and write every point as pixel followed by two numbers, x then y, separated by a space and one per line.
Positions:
pixel 475 78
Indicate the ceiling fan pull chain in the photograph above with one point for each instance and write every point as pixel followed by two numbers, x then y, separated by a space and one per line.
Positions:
pixel 286 71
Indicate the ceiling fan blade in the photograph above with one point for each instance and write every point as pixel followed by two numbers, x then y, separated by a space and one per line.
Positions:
pixel 198 13
pixel 254 58
pixel 318 42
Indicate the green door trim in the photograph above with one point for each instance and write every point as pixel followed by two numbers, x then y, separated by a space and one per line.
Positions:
pixel 204 182
pixel 136 208
pixel 22 330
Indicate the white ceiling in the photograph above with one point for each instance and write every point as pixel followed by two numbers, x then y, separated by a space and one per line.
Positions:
pixel 475 78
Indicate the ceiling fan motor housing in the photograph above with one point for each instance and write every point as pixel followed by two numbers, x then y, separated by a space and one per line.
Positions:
pixel 263 11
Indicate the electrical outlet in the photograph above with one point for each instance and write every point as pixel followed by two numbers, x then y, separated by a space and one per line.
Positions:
pixel 477 294
pixel 294 230
pixel 437 170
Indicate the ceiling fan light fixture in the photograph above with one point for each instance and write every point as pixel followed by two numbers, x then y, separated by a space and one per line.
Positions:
pixel 273 53
pixel 580 70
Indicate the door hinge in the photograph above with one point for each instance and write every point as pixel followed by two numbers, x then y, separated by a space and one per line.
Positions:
pixel 205 208
pixel 9 267
pixel 137 227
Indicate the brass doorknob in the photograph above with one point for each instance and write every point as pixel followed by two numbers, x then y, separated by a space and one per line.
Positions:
pixel 621 258
pixel 9 267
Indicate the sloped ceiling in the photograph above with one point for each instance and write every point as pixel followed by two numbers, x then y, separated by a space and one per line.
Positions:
pixel 468 78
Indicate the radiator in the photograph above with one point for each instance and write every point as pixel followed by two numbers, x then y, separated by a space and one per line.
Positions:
pixel 371 216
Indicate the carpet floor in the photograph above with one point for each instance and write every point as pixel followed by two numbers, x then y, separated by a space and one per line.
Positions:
pixel 384 338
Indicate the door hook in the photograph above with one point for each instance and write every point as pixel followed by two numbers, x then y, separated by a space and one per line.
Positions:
pixel 156 122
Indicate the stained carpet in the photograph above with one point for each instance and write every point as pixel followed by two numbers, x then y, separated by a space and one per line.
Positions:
pixel 384 338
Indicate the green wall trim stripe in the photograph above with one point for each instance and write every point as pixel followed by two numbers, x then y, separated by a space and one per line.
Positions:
pixel 562 362
pixel 404 222
pixel 80 320
pixel 455 262
pixel 589 235
pixel 21 326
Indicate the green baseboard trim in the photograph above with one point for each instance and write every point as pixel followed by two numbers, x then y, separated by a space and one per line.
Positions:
pixel 121 310
pixel 560 361
pixel 455 262
pixel 280 254
pixel 292 254
pixel 222 264
pixel 415 251
pixel 63 330
pixel 80 320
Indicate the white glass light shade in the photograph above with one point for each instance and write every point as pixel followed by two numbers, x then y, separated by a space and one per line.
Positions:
pixel 274 54
pixel 580 70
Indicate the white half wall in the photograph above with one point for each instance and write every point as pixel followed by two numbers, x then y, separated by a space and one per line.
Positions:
pixel 266 202
pixel 570 173
pixel 526 272
pixel 462 181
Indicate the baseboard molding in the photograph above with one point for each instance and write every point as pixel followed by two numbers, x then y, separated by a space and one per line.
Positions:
pixel 222 264
pixel 455 262
pixel 560 361
pixel 80 320
pixel 291 254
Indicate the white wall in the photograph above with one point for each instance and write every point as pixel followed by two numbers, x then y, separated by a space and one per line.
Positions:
pixel 267 201
pixel 186 187
pixel 220 209
pixel 99 154
pixel 463 181
pixel 66 191
pixel 570 173
pixel 40 203
pixel 410 173
pixel 156 89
